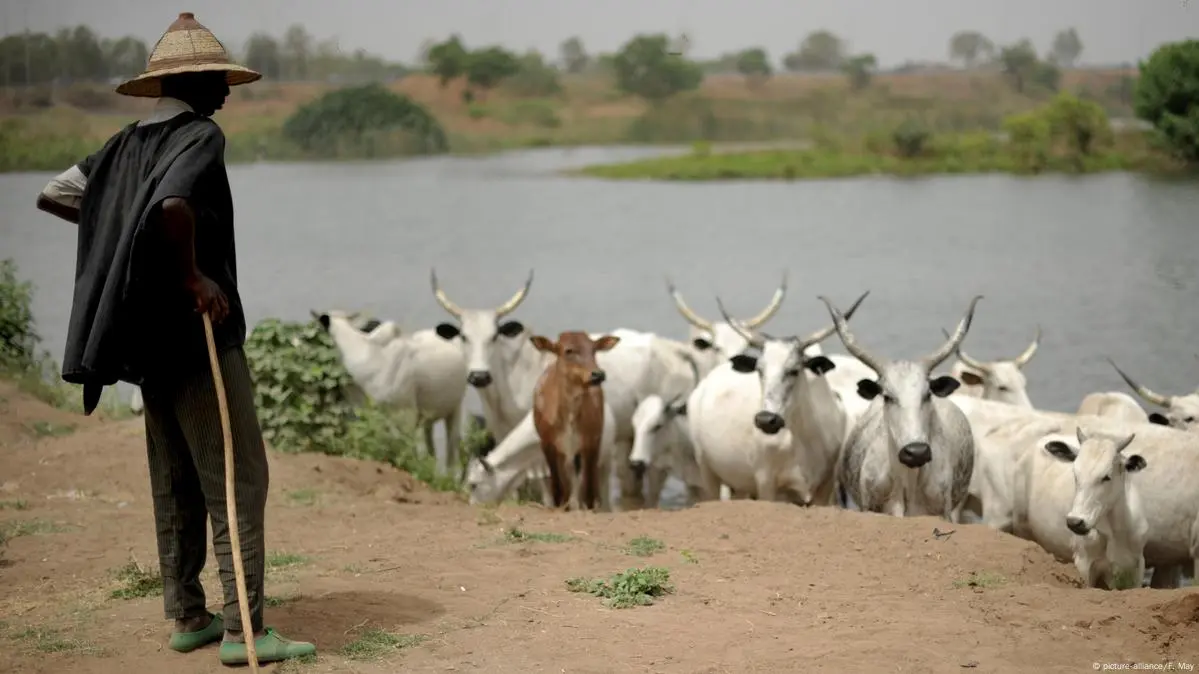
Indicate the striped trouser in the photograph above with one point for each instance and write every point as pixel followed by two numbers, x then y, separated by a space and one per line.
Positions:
pixel 187 478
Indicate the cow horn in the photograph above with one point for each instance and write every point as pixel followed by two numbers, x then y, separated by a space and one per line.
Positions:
pixel 936 357
pixel 690 316
pixel 1031 351
pixel 753 339
pixel 443 299
pixel 1155 398
pixel 967 360
pixel 850 342
pixel 771 309
pixel 824 333
pixel 510 306
pixel 315 316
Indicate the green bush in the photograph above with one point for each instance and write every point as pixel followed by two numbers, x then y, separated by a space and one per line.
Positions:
pixel 1167 96
pixel 18 338
pixel 910 138
pixel 365 119
pixel 1029 135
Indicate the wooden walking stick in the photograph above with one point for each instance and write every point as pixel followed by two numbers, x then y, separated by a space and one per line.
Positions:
pixel 239 571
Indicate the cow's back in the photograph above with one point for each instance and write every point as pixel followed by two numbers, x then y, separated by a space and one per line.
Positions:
pixel 439 371
pixel 1043 492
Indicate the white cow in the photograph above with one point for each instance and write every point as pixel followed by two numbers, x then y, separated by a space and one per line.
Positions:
pixel 1113 405
pixel 1080 502
pixel 715 342
pixel 662 440
pixel 780 431
pixel 491 478
pixel 418 372
pixel 1000 380
pixel 1169 492
pixel 1182 412
pixel 912 453
pixel 996 454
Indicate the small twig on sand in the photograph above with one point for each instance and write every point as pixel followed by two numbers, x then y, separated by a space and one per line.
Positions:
pixel 938 534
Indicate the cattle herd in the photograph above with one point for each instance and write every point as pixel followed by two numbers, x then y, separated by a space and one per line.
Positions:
pixel 734 412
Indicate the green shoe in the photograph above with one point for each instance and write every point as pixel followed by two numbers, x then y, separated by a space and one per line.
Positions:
pixel 270 647
pixel 186 642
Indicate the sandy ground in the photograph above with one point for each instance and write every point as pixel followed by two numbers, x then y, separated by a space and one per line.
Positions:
pixel 759 587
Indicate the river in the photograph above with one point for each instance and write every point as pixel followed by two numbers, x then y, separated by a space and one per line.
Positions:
pixel 1104 263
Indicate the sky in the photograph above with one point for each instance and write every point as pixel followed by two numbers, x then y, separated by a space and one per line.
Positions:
pixel 895 31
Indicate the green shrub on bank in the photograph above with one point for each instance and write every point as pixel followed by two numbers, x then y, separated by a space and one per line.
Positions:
pixel 364 121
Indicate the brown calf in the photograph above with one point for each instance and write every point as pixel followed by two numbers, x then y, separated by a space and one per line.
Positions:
pixel 568 411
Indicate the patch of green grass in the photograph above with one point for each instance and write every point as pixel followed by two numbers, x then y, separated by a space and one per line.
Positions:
pixel 373 644
pixel 49 429
pixel 633 587
pixel 488 518
pixel 136 582
pixel 283 560
pixel 296 665
pixel 18 528
pixel 304 497
pixel 353 568
pixel 644 546
pixel 983 579
pixel 1127 579
pixel 518 535
pixel 47 640
pixel 689 557
pixel 19 504
pixel 275 602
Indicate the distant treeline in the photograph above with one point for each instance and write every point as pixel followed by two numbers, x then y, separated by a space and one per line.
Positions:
pixel 78 54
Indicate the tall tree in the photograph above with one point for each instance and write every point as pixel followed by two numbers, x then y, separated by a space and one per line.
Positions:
pixel 970 47
pixel 263 54
pixel 1067 47
pixel 1019 63
pixel 754 64
pixel 820 50
pixel 648 67
pixel 448 59
pixel 574 56
pixel 297 52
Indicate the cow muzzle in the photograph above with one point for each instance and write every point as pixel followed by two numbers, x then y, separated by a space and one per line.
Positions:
pixel 597 377
pixel 638 468
pixel 768 422
pixel 916 454
pixel 479 378
pixel 1078 525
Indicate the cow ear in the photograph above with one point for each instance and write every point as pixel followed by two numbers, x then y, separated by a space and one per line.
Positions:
pixel 606 343
pixel 869 389
pixel 819 364
pixel 511 329
pixel 971 378
pixel 944 385
pixel 543 344
pixel 1060 451
pixel 370 325
pixel 447 331
pixel 680 409
pixel 1159 419
pixel 1134 463
pixel 743 363
pixel 701 344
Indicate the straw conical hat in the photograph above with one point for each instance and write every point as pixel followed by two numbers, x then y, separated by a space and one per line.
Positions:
pixel 186 47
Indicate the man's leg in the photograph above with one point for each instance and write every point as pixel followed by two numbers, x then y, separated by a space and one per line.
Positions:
pixel 200 420
pixel 180 515
pixel 199 417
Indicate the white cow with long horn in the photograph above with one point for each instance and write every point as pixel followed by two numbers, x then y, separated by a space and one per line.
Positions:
pixel 419 372
pixel 1182 412
pixel 714 342
pixel 999 380
pixel 912 452
pixel 779 432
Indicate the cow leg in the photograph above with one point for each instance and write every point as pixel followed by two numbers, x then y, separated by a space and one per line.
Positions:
pixel 591 478
pixel 711 485
pixel 656 479
pixel 577 484
pixel 554 460
pixel 426 427
pixel 767 486
pixel 632 496
pixel 453 436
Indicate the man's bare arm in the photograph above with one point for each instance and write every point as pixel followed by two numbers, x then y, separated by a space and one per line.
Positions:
pixel 48 205
pixel 179 228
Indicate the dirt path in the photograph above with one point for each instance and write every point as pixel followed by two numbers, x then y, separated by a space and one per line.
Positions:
pixel 357 548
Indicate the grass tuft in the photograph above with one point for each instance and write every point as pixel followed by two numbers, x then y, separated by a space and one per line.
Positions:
pixel 518 535
pixel 633 587
pixel 136 582
pixel 644 546
pixel 373 644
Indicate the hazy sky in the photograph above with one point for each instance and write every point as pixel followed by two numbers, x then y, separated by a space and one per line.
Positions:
pixel 894 30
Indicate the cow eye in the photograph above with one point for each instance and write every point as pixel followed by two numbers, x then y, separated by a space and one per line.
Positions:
pixel 1107 478
pixel 1189 420
pixel 793 372
pixel 1005 389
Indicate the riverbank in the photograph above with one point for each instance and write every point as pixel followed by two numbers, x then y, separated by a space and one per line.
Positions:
pixel 962 154
pixel 45 130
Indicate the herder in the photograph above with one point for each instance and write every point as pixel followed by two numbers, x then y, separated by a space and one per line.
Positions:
pixel 156 250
